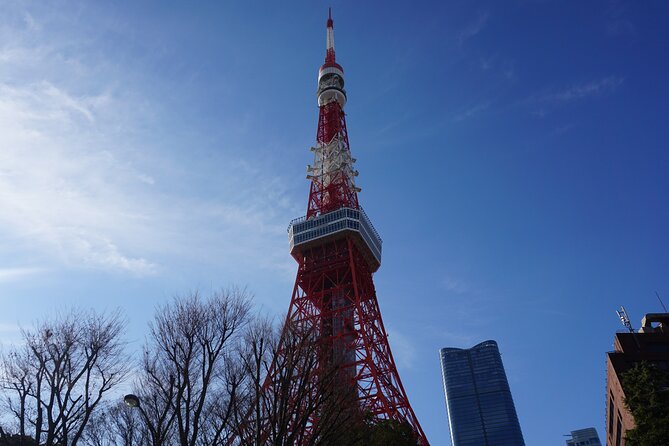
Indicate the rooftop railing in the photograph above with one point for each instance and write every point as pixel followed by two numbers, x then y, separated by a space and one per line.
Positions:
pixel 302 230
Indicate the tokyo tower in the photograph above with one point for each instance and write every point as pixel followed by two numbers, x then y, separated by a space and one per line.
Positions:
pixel 337 250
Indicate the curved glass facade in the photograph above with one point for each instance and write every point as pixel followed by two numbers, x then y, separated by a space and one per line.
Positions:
pixel 478 399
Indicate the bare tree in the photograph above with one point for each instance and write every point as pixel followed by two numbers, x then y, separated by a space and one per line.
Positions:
pixel 184 384
pixel 56 380
pixel 213 375
pixel 116 425
pixel 289 395
pixel 18 383
pixel 210 374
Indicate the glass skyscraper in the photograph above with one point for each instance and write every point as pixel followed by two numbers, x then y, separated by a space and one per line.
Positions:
pixel 478 398
pixel 584 437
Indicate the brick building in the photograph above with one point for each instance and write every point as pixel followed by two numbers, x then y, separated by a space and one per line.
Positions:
pixel 650 343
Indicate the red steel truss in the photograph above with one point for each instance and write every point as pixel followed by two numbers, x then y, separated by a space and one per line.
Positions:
pixel 334 294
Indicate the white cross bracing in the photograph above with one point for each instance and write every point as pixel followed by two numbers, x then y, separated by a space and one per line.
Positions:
pixel 331 160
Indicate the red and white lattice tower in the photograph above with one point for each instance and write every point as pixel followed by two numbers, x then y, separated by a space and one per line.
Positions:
pixel 338 250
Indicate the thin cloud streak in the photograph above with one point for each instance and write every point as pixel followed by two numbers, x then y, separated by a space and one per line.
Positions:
pixel 456 286
pixel 84 180
pixel 9 328
pixel 10 335
pixel 598 87
pixel 617 20
pixel 13 274
pixel 468 303
pixel 90 206
pixel 403 348
pixel 450 338
pixel 471 112
pixel 54 186
pixel 473 28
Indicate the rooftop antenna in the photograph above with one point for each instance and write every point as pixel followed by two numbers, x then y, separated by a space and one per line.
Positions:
pixel 622 314
pixel 661 303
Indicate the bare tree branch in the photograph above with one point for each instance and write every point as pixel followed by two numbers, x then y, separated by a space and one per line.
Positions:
pixel 289 395
pixel 184 386
pixel 56 380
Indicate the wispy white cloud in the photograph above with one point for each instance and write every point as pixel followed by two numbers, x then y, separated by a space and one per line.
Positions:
pixel 509 71
pixel 486 63
pixel 59 185
pixel 471 112
pixel 497 64
pixel 11 274
pixel 617 19
pixel 473 28
pixel 9 328
pixel 462 338
pixel 561 130
pixel 86 181
pixel 456 285
pixel 597 87
pixel 31 23
pixel 468 303
pixel 10 335
pixel 404 350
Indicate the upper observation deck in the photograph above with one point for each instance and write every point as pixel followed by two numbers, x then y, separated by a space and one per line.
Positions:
pixel 339 223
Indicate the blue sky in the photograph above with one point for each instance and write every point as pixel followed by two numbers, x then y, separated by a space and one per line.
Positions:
pixel 513 157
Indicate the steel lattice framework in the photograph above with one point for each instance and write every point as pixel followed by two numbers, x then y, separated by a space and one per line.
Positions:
pixel 338 250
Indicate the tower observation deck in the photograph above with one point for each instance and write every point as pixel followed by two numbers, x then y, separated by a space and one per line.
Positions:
pixel 337 250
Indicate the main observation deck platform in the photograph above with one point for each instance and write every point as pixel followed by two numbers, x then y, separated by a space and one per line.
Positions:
pixel 305 233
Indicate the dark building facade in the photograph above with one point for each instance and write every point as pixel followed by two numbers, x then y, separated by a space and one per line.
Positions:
pixel 651 344
pixel 478 398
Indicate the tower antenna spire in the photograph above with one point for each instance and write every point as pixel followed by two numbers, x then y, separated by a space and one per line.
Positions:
pixel 329 45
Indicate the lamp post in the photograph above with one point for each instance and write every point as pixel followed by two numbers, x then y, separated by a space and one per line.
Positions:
pixel 131 400
pixel 158 434
pixel 160 422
